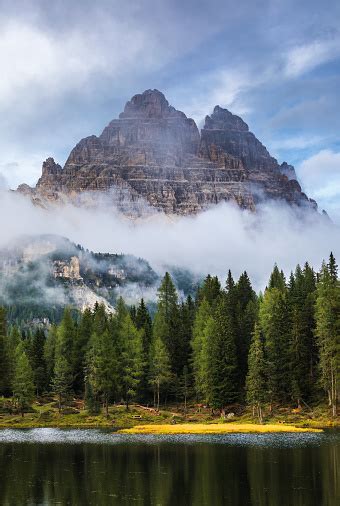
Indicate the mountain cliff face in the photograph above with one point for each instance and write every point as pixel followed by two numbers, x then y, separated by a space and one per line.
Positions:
pixel 156 154
pixel 49 272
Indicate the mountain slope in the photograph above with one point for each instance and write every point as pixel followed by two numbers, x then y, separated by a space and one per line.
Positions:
pixel 153 153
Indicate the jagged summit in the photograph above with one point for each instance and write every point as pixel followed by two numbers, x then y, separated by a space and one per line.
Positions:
pixel 155 153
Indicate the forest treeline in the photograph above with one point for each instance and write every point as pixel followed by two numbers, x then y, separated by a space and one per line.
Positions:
pixel 226 346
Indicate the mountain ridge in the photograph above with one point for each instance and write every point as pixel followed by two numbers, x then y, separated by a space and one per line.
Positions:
pixel 155 154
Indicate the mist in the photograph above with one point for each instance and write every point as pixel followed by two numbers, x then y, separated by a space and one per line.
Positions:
pixel 221 238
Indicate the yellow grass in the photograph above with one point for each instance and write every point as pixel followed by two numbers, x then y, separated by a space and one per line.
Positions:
pixel 202 428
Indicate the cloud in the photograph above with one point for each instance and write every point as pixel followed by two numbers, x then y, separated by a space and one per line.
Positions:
pixel 3 183
pixel 304 58
pixel 212 242
pixel 297 142
pixel 320 176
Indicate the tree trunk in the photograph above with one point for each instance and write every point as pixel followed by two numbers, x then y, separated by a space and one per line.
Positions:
pixel 158 395
pixel 59 406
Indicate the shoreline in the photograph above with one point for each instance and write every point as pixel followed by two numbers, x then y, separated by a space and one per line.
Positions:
pixel 218 428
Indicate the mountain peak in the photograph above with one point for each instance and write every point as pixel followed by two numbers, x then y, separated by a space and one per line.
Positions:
pixel 222 119
pixel 149 104
pixel 154 153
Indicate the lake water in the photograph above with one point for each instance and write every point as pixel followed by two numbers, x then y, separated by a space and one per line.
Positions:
pixel 90 467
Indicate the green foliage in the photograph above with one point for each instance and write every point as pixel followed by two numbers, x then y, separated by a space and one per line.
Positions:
pixel 328 330
pixel 256 379
pixel 222 357
pixel 228 346
pixel 23 385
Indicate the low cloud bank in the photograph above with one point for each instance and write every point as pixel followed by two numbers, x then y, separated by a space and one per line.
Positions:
pixel 212 242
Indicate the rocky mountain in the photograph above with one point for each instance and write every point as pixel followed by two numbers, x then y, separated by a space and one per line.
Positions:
pixel 153 153
pixel 46 273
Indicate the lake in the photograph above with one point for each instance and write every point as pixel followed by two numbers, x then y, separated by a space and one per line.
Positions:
pixel 93 467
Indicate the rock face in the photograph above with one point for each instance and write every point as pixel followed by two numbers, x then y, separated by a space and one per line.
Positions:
pixel 156 154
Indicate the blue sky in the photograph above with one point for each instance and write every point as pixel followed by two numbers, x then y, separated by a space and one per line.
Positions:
pixel 69 67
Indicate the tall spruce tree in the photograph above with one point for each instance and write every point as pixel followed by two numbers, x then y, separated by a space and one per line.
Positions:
pixel 256 380
pixel 200 350
pixel 102 368
pixel 4 359
pixel 328 330
pixel 222 358
pixel 274 322
pixel 169 321
pixel 246 309
pixel 131 359
pixel 64 357
pixel 37 360
pixel 23 385
pixel 160 368
pixel 301 294
pixel 143 323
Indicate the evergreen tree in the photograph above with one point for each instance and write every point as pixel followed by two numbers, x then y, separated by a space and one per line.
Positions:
pixel 200 349
pixel 37 360
pixel 80 346
pixel 4 359
pixel 65 352
pixel 256 381
pixel 277 279
pixel 301 296
pixel 143 323
pixel 102 367
pixel 131 359
pixel 222 358
pixel 210 290
pixel 169 320
pixel 328 330
pixel 160 368
pixel 62 378
pixel 49 353
pixel 23 386
pixel 274 325
pixel 244 309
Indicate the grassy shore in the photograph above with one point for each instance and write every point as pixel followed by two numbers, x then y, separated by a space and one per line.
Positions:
pixel 215 428
pixel 171 420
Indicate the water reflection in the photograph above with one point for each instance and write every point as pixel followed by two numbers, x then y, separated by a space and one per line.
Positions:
pixel 45 467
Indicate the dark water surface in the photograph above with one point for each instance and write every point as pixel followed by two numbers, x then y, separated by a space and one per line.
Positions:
pixel 90 467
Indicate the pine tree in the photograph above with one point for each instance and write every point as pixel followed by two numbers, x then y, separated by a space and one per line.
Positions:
pixel 222 358
pixel 80 345
pixel 62 379
pixel 131 359
pixel 37 360
pixel 245 308
pixel 273 315
pixel 168 312
pixel 49 353
pixel 210 290
pixel 143 323
pixel 277 279
pixel 200 349
pixel 4 359
pixel 23 386
pixel 102 367
pixel 160 368
pixel 256 381
pixel 328 330
pixel 301 294
pixel 65 354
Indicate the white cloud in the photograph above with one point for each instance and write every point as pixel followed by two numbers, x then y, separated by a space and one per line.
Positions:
pixel 297 142
pixel 302 59
pixel 320 176
pixel 221 238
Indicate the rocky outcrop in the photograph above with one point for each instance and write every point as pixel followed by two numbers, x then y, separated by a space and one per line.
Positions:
pixel 155 154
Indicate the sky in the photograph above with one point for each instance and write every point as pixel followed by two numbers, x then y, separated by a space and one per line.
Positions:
pixel 67 69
